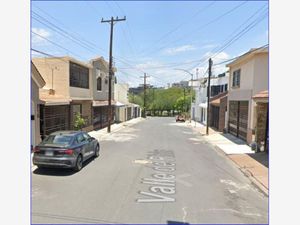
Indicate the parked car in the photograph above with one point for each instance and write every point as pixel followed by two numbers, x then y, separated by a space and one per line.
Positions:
pixel 67 149
pixel 180 118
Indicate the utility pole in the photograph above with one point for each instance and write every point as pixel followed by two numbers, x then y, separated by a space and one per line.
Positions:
pixel 110 71
pixel 208 95
pixel 191 96
pixel 145 86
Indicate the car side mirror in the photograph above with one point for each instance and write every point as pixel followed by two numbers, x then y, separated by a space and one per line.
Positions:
pixel 91 138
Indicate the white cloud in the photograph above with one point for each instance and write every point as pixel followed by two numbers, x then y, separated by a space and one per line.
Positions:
pixel 208 46
pixel 161 74
pixel 42 32
pixel 176 50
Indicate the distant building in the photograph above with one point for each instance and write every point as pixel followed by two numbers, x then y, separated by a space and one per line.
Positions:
pixel 218 86
pixel 123 109
pixel 139 89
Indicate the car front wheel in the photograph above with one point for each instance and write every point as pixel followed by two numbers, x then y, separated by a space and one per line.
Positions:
pixel 97 151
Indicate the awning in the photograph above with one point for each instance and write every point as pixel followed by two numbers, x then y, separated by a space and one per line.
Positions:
pixel 217 99
pixel 261 95
pixel 135 105
pixel 118 104
pixel 203 105
pixel 216 102
pixel 103 103
pixel 57 102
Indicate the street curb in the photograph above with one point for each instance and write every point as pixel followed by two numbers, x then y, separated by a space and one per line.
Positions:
pixel 252 178
pixel 246 172
pixel 264 190
pixel 255 182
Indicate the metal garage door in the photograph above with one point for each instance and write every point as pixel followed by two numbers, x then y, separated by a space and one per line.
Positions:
pixel 54 118
pixel 215 116
pixel 238 118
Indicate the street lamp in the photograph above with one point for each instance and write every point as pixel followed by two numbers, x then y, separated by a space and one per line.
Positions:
pixel 191 87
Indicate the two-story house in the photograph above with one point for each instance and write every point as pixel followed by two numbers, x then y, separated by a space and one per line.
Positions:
pixel 68 91
pixel 100 85
pixel 248 78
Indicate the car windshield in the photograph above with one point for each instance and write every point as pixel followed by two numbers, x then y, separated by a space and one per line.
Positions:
pixel 58 140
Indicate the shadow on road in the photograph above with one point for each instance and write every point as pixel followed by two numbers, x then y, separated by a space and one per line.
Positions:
pixel 233 139
pixel 175 222
pixel 60 171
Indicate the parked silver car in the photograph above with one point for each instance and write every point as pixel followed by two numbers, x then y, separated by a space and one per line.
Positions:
pixel 67 149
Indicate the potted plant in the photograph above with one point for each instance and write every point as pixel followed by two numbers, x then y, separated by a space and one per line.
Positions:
pixel 79 122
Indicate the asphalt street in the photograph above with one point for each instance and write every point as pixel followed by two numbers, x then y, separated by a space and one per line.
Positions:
pixel 156 171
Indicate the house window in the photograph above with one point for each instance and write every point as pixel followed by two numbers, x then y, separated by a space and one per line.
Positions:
pixel 99 84
pixel 79 76
pixel 236 78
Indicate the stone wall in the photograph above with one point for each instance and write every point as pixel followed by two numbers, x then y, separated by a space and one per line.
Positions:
pixel 262 109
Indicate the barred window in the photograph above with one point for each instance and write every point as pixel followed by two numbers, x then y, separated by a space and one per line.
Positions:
pixel 79 76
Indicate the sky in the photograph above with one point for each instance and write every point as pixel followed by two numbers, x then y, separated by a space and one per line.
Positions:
pixel 167 40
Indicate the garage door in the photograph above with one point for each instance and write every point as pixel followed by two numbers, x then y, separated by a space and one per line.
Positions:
pixel 54 118
pixel 238 118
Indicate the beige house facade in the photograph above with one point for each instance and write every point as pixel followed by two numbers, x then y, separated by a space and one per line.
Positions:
pixel 248 76
pixel 68 91
pixel 100 88
pixel 37 82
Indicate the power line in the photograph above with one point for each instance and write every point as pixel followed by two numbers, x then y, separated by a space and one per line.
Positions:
pixel 67 34
pixel 71 37
pixel 203 26
pixel 56 44
pixel 53 18
pixel 62 31
pixel 228 60
pixel 232 40
pixel 127 24
pixel 181 24
pixel 174 64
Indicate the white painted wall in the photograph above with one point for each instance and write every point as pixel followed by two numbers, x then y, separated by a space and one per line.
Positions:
pixel 121 93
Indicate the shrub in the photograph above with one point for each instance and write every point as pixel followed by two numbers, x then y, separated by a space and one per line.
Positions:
pixel 79 122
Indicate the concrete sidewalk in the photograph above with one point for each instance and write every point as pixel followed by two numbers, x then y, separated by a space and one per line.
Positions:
pixel 253 165
pixel 102 134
